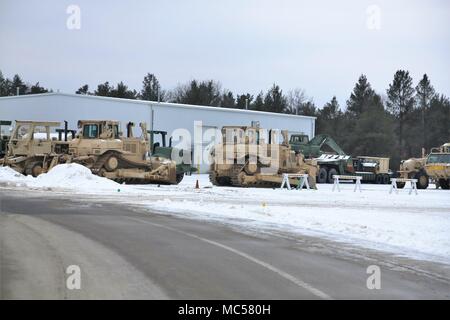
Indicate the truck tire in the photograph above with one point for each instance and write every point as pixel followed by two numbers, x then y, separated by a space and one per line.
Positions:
pixel 386 179
pixel 422 180
pixel 322 176
pixel 331 173
pixel 445 184
pixel 400 185
pixel 379 179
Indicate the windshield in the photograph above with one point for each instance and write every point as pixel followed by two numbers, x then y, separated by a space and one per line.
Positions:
pixel 22 132
pixel 90 131
pixel 439 158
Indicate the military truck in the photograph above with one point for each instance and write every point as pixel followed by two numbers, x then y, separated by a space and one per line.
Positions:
pixel 437 166
pixel 251 156
pixel 160 148
pixel 32 148
pixel 4 137
pixel 413 168
pixel 101 146
pixel 332 160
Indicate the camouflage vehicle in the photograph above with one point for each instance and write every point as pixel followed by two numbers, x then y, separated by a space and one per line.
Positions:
pixel 160 148
pixel 4 137
pixel 332 160
pixel 100 146
pixel 372 169
pixel 437 166
pixel 32 148
pixel 250 156
pixel 413 168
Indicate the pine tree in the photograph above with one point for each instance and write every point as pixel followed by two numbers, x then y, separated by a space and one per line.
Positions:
pixel 258 104
pixel 17 82
pixel 244 100
pixel 104 90
pixel 4 85
pixel 151 89
pixel 122 91
pixel 424 93
pixel 83 90
pixel 360 98
pixel 275 101
pixel 35 89
pixel 228 100
pixel 205 93
pixel 400 103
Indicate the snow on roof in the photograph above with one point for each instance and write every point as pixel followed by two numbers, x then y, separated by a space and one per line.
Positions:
pixel 152 103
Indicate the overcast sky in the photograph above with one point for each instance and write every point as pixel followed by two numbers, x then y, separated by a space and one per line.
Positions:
pixel 319 46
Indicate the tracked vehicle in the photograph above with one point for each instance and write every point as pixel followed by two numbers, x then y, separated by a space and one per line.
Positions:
pixel 33 148
pixel 255 157
pixel 160 148
pixel 100 146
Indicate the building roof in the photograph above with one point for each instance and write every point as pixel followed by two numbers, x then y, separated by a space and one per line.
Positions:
pixel 152 103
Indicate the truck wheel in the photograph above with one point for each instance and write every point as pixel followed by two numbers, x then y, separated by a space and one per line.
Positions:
pixel 331 173
pixel 33 169
pixel 378 179
pixel 112 163
pixel 322 176
pixel 400 185
pixel 386 179
pixel 422 180
pixel 445 184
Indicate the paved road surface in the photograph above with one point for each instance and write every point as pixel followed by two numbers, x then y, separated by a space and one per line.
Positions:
pixel 124 253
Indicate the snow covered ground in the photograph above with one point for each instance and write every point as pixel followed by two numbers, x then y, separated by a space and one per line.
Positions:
pixel 416 226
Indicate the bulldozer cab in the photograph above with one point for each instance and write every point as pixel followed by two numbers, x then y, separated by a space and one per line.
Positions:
pixel 31 138
pixel 253 135
pixel 99 129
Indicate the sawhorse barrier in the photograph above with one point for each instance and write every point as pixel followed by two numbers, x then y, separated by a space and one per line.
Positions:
pixel 337 178
pixel 413 184
pixel 303 181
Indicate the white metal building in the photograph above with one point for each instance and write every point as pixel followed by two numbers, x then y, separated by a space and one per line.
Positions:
pixel 159 116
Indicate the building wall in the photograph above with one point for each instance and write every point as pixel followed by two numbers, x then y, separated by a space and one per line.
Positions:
pixel 167 117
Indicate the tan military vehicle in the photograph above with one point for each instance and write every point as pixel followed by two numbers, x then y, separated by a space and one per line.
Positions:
pixel 414 168
pixel 33 148
pixel 254 157
pixel 437 166
pixel 100 146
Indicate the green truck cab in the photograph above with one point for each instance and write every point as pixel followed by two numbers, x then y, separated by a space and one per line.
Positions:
pixel 163 149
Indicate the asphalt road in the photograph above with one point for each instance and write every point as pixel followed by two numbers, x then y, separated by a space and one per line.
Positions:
pixel 123 253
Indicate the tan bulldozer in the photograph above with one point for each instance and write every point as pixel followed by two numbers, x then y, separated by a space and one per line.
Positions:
pixel 100 146
pixel 33 148
pixel 255 157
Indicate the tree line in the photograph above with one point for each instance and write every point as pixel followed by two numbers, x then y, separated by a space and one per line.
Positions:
pixel 397 123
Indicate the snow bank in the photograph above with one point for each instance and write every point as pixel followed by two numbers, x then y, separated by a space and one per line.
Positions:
pixel 416 226
pixel 403 224
pixel 71 176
